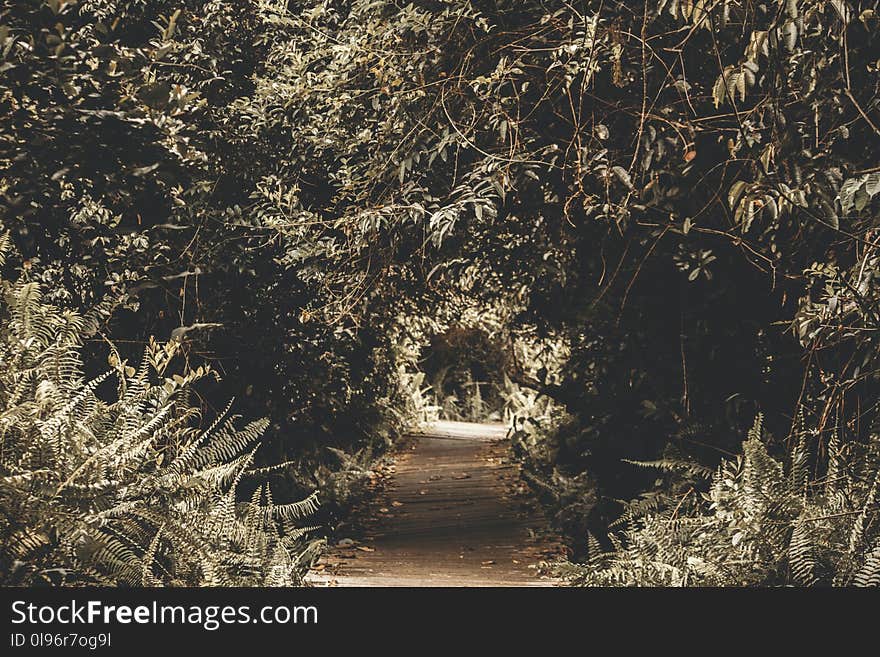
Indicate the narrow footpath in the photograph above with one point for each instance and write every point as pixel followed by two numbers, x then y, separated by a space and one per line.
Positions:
pixel 453 513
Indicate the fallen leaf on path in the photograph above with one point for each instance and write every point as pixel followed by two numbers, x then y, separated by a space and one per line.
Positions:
pixel 384 509
pixel 488 562
pixel 364 548
pixel 463 475
pixel 396 503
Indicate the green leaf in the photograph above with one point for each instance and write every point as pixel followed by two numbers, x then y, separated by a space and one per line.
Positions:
pixel 735 192
pixel 623 175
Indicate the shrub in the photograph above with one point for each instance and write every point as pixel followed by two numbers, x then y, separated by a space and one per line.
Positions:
pixel 761 523
pixel 124 489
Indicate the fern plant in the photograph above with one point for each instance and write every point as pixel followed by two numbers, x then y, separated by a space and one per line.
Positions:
pixel 125 488
pixel 761 523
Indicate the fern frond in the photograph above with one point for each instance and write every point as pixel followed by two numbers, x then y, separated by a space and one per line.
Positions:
pixel 127 491
pixel 691 468
pixel 869 573
pixel 801 556
pixel 758 524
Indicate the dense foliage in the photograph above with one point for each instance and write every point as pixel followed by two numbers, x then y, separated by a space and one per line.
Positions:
pixel 669 208
pixel 127 491
pixel 679 188
pixel 125 169
pixel 757 525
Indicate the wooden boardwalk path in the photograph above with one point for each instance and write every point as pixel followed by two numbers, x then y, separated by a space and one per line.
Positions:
pixel 453 514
